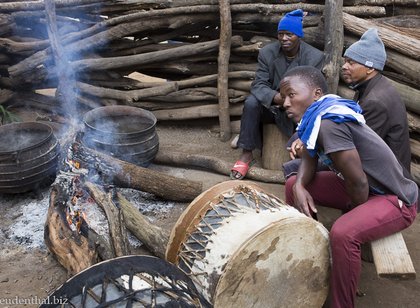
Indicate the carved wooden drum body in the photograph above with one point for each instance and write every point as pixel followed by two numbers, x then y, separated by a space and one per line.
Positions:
pixel 244 247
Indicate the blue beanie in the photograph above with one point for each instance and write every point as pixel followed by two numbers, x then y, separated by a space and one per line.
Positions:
pixel 368 51
pixel 292 22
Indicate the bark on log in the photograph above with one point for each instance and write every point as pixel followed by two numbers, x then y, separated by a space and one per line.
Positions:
pixel 266 9
pixel 152 57
pixel 333 43
pixel 205 111
pixel 404 65
pixel 154 106
pixel 197 94
pixel 409 96
pixel 188 83
pixel 381 2
pixel 223 65
pixel 415 148
pixel 214 164
pixel 415 172
pixel 128 175
pixel 413 122
pixel 115 217
pixel 242 85
pixel 24 69
pixel 126 96
pixel 22 48
pixel 403 10
pixel 39 4
pixel 402 43
pixel 152 236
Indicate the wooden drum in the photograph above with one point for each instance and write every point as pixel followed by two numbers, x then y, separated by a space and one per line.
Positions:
pixel 243 247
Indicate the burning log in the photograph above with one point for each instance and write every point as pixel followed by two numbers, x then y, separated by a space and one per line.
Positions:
pixel 72 248
pixel 152 236
pixel 67 233
pixel 127 175
pixel 115 217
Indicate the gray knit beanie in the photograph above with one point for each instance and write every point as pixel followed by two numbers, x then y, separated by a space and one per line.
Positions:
pixel 368 51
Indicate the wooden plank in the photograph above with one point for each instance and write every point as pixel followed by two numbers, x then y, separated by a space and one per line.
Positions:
pixel 392 259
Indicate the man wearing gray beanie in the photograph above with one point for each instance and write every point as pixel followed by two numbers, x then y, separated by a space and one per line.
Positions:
pixel 264 104
pixel 381 103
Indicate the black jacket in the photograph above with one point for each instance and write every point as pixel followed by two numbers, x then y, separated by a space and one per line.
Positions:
pixel 272 66
pixel 385 113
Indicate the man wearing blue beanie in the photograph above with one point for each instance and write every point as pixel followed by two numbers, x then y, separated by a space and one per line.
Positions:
pixel 382 107
pixel 264 104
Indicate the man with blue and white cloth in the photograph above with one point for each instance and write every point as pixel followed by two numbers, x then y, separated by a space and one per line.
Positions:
pixel 376 201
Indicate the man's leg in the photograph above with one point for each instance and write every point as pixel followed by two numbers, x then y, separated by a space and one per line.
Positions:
pixel 380 216
pixel 250 134
pixel 327 189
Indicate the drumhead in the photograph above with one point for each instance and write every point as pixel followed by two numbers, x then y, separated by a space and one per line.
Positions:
pixel 284 265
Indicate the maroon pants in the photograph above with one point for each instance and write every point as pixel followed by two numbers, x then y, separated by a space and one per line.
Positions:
pixel 378 217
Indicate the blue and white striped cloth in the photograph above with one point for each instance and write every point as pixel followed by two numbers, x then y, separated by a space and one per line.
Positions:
pixel 331 107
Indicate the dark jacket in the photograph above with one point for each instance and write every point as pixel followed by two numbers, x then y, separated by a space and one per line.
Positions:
pixel 272 66
pixel 385 113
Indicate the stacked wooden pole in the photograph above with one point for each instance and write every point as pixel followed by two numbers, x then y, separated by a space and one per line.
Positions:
pixel 204 52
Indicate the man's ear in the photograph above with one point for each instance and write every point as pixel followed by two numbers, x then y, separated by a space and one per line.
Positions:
pixel 370 71
pixel 318 93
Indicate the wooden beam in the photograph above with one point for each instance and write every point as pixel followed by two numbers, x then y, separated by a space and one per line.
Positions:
pixel 223 68
pixel 333 46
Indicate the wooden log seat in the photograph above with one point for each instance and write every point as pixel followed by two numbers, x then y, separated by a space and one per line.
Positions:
pixel 274 152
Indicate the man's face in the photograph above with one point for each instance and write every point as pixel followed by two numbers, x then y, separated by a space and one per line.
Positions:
pixel 354 72
pixel 289 41
pixel 297 97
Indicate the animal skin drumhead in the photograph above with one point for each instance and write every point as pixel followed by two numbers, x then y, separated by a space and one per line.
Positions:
pixel 284 265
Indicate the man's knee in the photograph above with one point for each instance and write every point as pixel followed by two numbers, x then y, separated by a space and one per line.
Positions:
pixel 251 104
pixel 341 236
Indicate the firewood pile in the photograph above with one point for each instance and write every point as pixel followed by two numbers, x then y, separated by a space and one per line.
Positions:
pixel 203 52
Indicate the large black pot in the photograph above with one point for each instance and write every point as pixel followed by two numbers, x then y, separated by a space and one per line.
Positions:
pixel 28 156
pixel 127 133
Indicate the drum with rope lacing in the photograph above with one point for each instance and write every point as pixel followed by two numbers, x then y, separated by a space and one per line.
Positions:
pixel 243 247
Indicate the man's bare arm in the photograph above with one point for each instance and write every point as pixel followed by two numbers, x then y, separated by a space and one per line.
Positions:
pixel 349 165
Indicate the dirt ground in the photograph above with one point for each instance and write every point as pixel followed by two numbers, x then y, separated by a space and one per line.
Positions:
pixel 30 273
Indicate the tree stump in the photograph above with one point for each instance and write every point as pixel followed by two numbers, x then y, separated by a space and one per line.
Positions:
pixel 274 152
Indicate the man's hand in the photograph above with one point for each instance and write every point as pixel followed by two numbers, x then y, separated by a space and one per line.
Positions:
pixel 295 150
pixel 303 201
pixel 278 100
